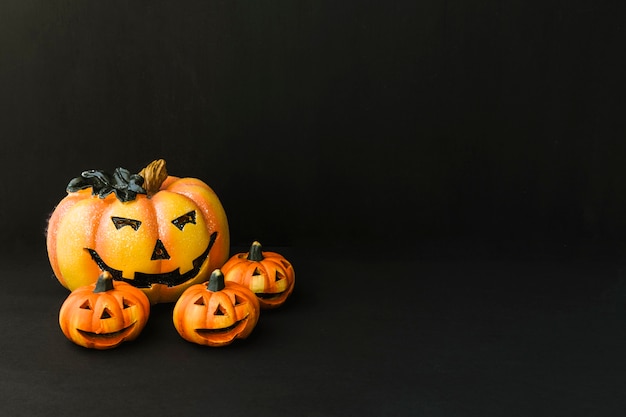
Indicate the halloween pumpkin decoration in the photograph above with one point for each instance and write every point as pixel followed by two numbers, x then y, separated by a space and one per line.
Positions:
pixel 159 233
pixel 216 313
pixel 104 314
pixel 268 274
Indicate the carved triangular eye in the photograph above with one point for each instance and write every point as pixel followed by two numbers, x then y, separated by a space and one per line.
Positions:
pixel 239 300
pixel 120 222
pixel 199 301
pixel 106 314
pixel 126 303
pixel 279 276
pixel 181 221
pixel 257 272
pixel 220 311
pixel 86 305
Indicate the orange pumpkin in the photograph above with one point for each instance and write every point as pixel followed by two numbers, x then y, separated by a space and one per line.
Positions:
pixel 216 313
pixel 104 314
pixel 157 232
pixel 268 274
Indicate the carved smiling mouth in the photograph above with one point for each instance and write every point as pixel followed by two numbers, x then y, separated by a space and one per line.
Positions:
pixel 144 280
pixel 207 332
pixel 112 335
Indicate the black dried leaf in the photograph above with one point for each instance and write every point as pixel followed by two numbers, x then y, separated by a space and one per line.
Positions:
pixel 125 185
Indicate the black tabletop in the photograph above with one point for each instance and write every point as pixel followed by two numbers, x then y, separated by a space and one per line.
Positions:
pixel 363 334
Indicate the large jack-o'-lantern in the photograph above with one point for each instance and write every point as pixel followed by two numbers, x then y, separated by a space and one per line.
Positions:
pixel 159 233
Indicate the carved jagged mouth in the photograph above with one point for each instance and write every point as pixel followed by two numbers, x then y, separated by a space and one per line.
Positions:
pixel 112 335
pixel 202 332
pixel 143 280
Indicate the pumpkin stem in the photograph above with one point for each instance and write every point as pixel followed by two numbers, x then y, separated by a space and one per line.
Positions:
pixel 256 253
pixel 104 283
pixel 154 174
pixel 216 281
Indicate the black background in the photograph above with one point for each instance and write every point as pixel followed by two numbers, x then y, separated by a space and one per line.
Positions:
pixel 447 177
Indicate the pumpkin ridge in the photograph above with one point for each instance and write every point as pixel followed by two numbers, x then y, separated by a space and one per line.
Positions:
pixel 185 182
pixel 153 215
pixel 103 242
pixel 163 227
pixel 52 227
pixel 90 210
pixel 211 210
pixel 192 188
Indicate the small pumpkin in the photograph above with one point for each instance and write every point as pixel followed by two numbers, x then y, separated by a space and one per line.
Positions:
pixel 104 314
pixel 268 274
pixel 158 232
pixel 216 313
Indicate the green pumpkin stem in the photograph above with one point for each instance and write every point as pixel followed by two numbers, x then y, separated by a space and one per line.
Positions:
pixel 216 281
pixel 256 253
pixel 104 283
